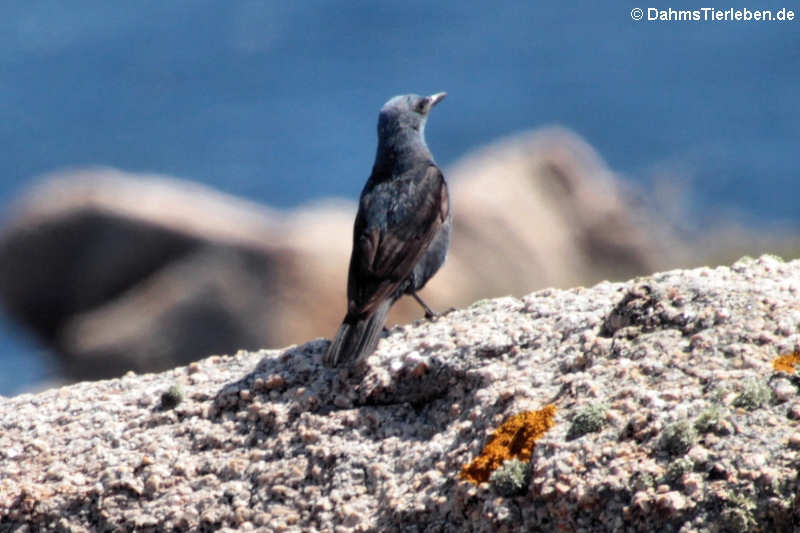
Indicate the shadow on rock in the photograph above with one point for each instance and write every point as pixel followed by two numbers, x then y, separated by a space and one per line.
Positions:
pixel 285 386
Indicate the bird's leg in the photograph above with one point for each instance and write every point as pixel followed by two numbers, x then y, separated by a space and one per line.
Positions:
pixel 429 313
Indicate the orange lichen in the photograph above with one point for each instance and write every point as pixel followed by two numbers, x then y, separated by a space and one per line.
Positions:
pixel 515 439
pixel 786 362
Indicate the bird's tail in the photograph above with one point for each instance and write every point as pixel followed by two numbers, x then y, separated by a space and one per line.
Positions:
pixel 357 337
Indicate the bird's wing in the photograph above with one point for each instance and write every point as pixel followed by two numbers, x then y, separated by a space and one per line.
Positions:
pixel 383 257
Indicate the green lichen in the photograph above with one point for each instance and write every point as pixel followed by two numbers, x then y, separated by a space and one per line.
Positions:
pixel 719 394
pixel 481 303
pixel 588 420
pixel 642 480
pixel 678 437
pixel 676 469
pixel 739 515
pixel 755 394
pixel 709 420
pixel 737 519
pixel 172 397
pixel 511 478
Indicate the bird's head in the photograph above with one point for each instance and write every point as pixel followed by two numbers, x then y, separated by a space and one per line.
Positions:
pixel 405 114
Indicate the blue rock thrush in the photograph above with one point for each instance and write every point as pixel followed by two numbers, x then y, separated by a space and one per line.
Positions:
pixel 402 229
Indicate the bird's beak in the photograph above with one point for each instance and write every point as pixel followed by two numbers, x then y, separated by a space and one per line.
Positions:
pixel 435 99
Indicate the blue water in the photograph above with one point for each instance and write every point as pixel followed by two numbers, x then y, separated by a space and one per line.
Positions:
pixel 277 101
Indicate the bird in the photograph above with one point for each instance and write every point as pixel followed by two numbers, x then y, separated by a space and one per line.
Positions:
pixel 401 232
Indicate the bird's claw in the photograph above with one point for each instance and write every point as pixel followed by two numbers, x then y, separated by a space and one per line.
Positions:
pixel 434 316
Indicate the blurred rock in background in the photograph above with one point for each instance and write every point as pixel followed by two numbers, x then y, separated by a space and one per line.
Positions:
pixel 120 272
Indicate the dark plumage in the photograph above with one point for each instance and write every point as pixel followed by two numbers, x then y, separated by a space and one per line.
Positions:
pixel 402 229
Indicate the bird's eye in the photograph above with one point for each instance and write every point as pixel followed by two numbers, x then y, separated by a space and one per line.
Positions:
pixel 420 106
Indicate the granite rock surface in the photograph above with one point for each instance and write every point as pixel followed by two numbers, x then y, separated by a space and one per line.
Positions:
pixel 670 415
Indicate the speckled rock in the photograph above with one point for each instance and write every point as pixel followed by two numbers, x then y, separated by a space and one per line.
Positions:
pixel 272 440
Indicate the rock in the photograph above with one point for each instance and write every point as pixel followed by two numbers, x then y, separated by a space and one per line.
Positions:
pixel 118 271
pixel 541 209
pixel 273 439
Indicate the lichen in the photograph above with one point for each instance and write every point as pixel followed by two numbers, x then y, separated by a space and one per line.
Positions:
pixel 678 437
pixel 738 516
pixel 481 303
pixel 754 395
pixel 786 362
pixel 172 397
pixel 514 439
pixel 709 420
pixel 511 478
pixel 641 480
pixel 676 469
pixel 590 419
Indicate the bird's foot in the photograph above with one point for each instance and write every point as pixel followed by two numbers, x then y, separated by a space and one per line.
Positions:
pixel 430 314
pixel 433 316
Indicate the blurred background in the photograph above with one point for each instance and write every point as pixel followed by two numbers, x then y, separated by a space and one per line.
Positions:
pixel 688 129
